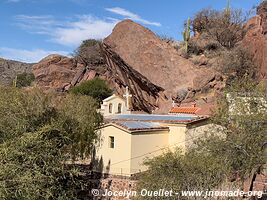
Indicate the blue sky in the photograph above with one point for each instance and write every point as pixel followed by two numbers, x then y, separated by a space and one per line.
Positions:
pixel 32 29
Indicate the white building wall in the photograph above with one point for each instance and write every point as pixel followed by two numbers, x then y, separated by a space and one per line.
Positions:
pixel 115 101
pixel 201 131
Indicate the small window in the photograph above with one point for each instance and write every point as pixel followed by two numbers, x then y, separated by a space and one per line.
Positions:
pixel 111 142
pixel 119 108
pixel 110 108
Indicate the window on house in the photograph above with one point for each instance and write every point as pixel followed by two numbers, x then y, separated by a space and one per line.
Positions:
pixel 119 108
pixel 111 142
pixel 110 108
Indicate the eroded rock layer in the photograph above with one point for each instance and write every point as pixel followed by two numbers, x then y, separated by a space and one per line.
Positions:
pixel 60 73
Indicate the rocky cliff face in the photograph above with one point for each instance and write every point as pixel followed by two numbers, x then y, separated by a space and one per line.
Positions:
pixel 256 38
pixel 131 56
pixel 155 59
pixel 61 73
pixel 9 69
pixel 154 71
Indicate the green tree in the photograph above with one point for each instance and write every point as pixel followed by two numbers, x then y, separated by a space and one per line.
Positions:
pixel 245 126
pixel 96 88
pixel 39 136
pixel 182 172
pixel 24 80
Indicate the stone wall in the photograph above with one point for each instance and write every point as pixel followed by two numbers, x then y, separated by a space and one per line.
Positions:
pixel 118 184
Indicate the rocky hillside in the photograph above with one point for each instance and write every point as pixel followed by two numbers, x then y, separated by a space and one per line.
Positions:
pixel 60 73
pixel 154 70
pixel 132 56
pixel 160 63
pixel 256 38
pixel 9 69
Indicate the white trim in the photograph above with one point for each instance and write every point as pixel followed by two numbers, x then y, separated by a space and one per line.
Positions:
pixel 112 97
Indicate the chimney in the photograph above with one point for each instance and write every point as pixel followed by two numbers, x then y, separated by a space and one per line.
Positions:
pixel 194 104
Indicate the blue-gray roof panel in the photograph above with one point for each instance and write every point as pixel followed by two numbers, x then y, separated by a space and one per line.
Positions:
pixel 139 125
pixel 147 117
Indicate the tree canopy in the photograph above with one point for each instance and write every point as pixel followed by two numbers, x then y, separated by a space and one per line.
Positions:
pixel 39 136
pixel 96 88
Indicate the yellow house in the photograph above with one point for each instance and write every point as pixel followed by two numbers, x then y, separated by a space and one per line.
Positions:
pixel 127 140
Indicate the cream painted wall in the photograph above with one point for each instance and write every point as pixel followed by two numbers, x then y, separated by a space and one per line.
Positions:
pixel 131 149
pixel 145 143
pixel 115 101
pixel 121 152
pixel 177 136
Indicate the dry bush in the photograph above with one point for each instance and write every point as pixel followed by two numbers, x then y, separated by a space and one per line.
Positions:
pixel 89 52
pixel 194 48
pixel 236 64
pixel 225 27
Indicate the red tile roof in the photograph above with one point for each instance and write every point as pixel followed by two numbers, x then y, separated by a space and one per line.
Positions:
pixel 184 110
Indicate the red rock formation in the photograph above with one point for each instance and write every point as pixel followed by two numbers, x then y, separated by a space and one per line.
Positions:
pixel 131 56
pixel 153 58
pixel 54 72
pixel 256 38
pixel 60 73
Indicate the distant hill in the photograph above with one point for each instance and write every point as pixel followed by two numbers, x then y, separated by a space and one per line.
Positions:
pixel 9 69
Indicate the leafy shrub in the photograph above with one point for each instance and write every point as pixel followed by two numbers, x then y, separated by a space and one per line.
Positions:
pixel 212 46
pixel 166 38
pixel 41 133
pixel 96 88
pixel 24 79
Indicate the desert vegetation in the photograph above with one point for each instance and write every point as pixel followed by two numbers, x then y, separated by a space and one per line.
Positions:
pixel 214 30
pixel 224 158
pixel 24 80
pixel 235 151
pixel 40 135
pixel 89 51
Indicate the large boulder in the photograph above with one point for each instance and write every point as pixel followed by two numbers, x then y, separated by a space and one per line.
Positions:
pixel 155 59
pixel 131 56
pixel 60 73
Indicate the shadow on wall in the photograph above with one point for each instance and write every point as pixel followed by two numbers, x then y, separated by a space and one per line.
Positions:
pixel 97 164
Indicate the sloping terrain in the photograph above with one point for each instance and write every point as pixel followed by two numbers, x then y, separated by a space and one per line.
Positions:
pixel 9 69
pixel 256 38
pixel 60 73
pixel 153 69
pixel 131 56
